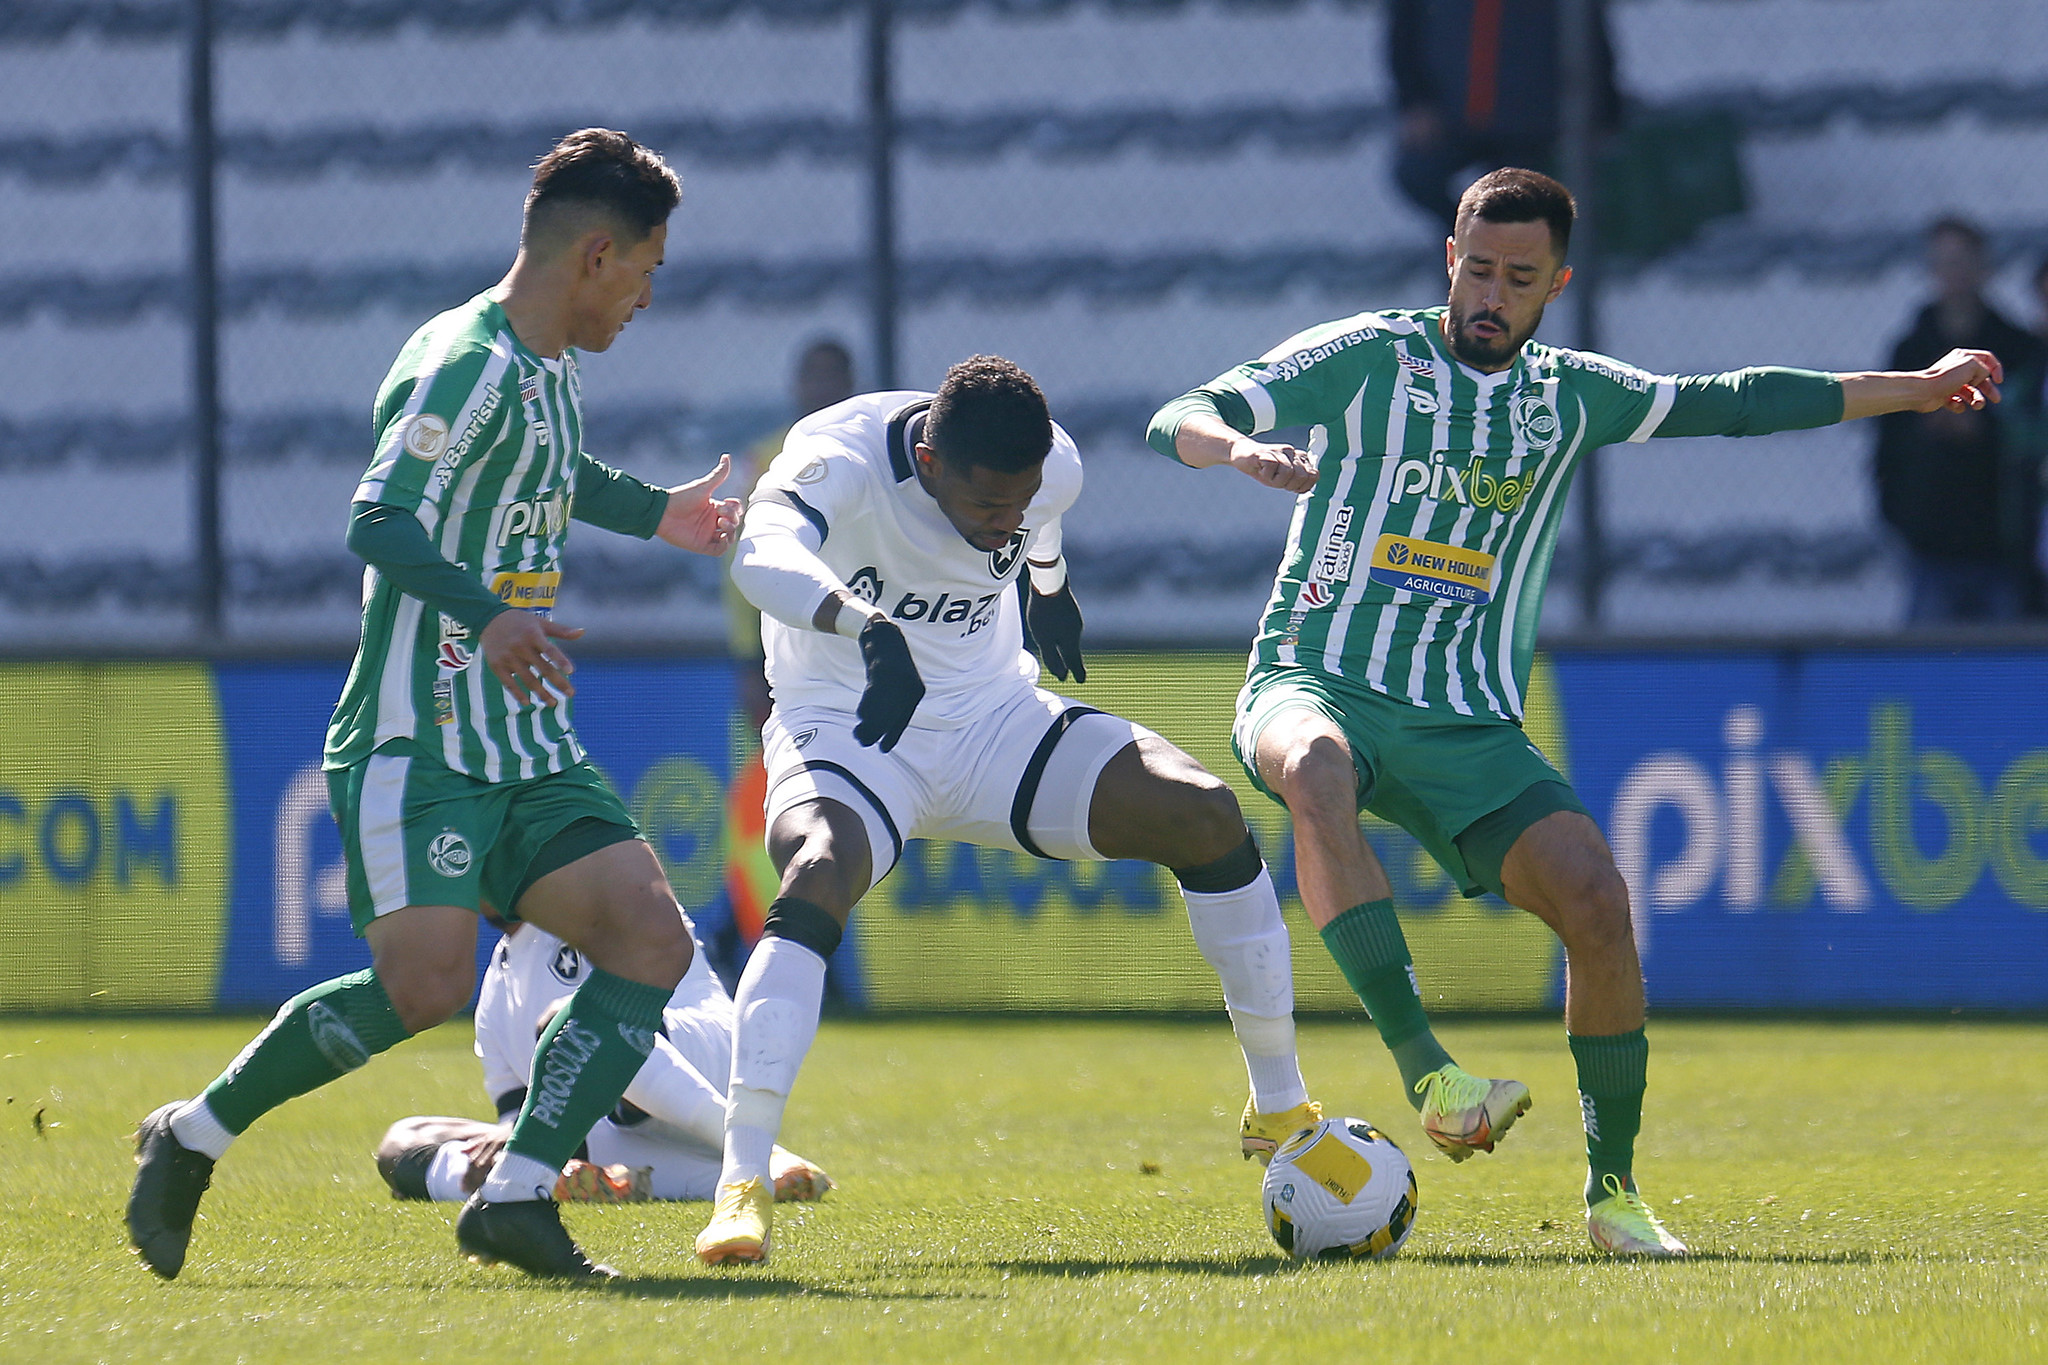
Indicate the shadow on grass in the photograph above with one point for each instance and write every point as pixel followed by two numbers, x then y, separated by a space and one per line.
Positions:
pixel 749 1286
pixel 1577 1257
pixel 1181 1265
pixel 1266 1265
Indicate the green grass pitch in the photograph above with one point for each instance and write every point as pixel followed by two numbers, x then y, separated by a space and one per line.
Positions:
pixel 1071 1191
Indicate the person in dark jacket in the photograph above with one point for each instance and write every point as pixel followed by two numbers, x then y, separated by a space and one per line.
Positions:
pixel 1477 83
pixel 1962 489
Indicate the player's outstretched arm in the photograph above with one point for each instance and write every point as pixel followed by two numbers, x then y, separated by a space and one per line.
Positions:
pixel 1204 439
pixel 1961 381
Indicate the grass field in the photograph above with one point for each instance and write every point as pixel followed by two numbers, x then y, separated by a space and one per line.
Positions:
pixel 1071 1191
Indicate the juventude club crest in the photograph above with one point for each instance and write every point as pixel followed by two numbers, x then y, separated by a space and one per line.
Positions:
pixel 1537 422
pixel 448 854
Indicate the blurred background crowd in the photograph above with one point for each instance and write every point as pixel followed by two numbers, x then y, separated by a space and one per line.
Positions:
pixel 1126 198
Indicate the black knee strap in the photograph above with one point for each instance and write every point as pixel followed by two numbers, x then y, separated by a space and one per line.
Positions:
pixel 799 921
pixel 1238 868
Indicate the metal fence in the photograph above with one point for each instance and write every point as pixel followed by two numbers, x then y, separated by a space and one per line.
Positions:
pixel 1125 197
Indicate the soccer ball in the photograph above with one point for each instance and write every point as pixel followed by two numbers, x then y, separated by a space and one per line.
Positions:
pixel 1340 1190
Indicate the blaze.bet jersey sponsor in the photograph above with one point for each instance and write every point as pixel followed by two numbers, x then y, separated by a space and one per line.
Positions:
pixel 1416 565
pixel 848 470
pixel 480 438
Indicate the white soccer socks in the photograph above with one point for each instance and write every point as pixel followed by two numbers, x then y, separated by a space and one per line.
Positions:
pixel 1241 935
pixel 675 1093
pixel 777 1008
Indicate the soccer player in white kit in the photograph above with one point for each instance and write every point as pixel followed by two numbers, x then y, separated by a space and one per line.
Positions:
pixel 883 547
pixel 663 1141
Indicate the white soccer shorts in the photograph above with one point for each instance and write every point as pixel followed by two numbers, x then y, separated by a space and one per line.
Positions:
pixel 1020 776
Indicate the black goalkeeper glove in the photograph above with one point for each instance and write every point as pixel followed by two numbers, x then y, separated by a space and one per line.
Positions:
pixel 893 689
pixel 1054 620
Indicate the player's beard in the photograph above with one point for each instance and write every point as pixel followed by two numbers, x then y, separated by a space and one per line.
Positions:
pixel 1487 355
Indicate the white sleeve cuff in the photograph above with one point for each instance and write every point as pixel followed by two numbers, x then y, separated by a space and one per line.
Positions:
pixel 1047 579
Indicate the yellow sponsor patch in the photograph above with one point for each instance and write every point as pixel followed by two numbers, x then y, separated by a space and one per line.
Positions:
pixel 527 591
pixel 1424 566
pixel 1336 1166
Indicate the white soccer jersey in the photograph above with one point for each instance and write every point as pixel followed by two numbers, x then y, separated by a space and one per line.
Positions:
pixel 848 470
pixel 532 969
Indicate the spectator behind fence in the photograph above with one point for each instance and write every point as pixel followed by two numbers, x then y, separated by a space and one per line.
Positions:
pixel 1477 85
pixel 1962 488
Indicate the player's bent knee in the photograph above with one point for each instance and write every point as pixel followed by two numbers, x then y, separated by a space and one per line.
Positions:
pixel 1319 783
pixel 1210 824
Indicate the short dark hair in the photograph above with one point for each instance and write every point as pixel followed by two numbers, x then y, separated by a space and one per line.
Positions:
pixel 1953 225
pixel 989 413
pixel 605 170
pixel 1514 194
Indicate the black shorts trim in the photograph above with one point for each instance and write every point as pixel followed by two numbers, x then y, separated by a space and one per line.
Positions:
pixel 579 838
pixel 822 765
pixel 1034 773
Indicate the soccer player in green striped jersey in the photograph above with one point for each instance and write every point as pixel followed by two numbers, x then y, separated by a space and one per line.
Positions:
pixel 452 764
pixel 1390 668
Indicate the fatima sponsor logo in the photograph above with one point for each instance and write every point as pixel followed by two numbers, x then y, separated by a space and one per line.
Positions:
pixel 574 1044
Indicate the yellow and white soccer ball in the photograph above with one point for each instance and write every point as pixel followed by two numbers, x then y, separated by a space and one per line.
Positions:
pixel 1340 1190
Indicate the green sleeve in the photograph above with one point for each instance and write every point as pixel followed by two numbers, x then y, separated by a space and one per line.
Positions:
pixel 1752 402
pixel 1304 381
pixel 1228 405
pixel 413 436
pixel 616 502
pixel 394 543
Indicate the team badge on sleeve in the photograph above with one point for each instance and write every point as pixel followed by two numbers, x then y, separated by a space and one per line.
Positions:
pixel 425 435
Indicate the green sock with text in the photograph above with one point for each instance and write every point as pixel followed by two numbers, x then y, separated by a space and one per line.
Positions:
pixel 1372 952
pixel 586 1057
pixel 1613 1074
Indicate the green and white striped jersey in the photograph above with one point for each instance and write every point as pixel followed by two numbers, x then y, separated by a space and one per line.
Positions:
pixel 481 439
pixel 1416 566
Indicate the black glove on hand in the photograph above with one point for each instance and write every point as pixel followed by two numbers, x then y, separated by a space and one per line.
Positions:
pixel 1054 620
pixel 893 689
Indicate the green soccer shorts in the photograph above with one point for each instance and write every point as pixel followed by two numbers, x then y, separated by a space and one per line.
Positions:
pixel 1465 786
pixel 415 832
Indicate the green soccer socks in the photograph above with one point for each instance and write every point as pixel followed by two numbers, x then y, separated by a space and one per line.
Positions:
pixel 585 1059
pixel 320 1035
pixel 1613 1073
pixel 1371 951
